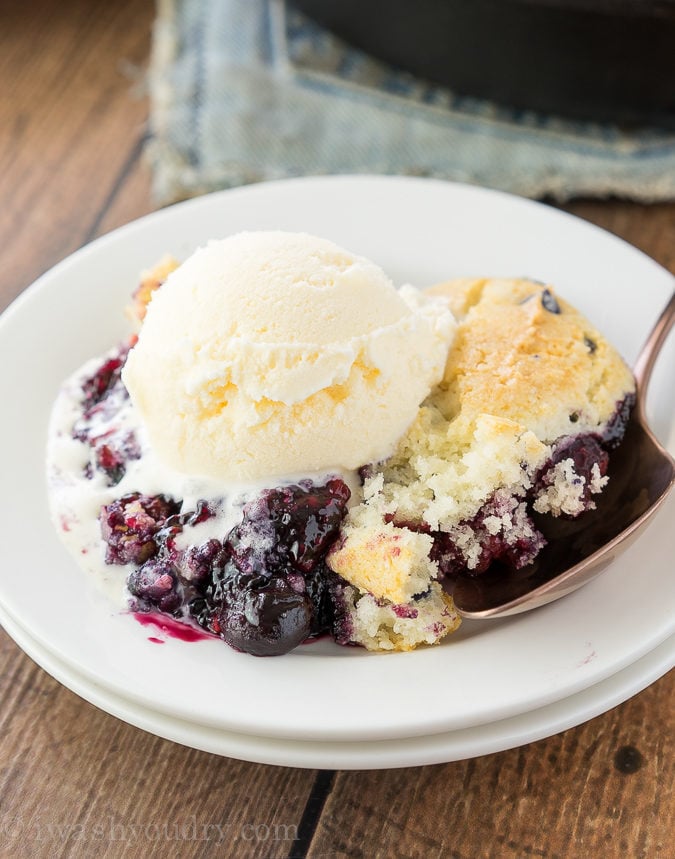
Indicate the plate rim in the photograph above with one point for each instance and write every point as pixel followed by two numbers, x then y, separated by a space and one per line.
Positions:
pixel 213 199
pixel 425 750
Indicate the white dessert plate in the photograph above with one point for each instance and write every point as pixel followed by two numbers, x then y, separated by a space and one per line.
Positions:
pixel 420 231
pixel 378 754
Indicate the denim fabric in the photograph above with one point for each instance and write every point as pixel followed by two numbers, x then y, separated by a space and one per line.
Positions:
pixel 246 90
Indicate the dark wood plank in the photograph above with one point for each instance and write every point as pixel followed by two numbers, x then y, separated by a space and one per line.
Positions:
pixel 131 200
pixel 602 789
pixel 75 781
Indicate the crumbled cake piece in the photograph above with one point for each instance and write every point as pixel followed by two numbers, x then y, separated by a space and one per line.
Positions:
pixel 566 492
pixel 530 394
pixel 382 626
pixel 151 279
pixel 443 471
pixel 575 471
pixel 377 557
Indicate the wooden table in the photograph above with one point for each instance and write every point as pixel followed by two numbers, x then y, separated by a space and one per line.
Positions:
pixel 75 781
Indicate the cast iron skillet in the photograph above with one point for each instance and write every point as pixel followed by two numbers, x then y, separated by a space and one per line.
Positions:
pixel 605 60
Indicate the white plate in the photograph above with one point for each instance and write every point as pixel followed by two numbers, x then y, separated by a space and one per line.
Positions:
pixel 420 231
pixel 416 751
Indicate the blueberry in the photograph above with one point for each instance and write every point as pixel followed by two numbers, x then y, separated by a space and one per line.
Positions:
pixel 103 395
pixel 590 344
pixel 516 552
pixel 109 461
pixel 447 555
pixel 366 471
pixel 548 302
pixel 263 589
pixel 584 450
pixel 342 624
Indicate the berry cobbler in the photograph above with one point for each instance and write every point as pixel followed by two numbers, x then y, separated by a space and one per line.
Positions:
pixel 520 403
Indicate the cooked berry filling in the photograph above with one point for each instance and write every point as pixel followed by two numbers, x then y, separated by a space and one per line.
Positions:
pixel 262 615
pixel 130 526
pixel 156 584
pixel 112 452
pixel 589 461
pixel 263 588
pixel 488 540
pixel 342 620
pixel 503 530
pixel 615 428
pixel 289 527
pixel 270 593
pixel 96 387
pixel 103 395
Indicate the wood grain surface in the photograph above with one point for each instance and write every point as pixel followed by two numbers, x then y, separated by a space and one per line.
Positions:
pixel 76 782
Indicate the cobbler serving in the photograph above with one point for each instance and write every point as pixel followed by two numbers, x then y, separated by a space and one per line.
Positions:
pixel 521 415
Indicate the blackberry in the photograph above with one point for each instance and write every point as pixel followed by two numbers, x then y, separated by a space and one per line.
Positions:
pixel 155 583
pixel 130 524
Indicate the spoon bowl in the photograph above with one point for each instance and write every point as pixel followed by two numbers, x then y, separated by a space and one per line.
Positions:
pixel 641 474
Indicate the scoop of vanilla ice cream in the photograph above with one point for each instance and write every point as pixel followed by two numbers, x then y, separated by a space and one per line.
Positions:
pixel 272 353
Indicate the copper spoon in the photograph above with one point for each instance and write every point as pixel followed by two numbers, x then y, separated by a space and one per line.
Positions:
pixel 641 474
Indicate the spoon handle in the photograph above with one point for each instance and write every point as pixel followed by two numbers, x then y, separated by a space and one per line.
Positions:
pixel 649 352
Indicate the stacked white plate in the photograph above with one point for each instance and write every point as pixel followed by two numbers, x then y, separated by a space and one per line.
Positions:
pixel 495 684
